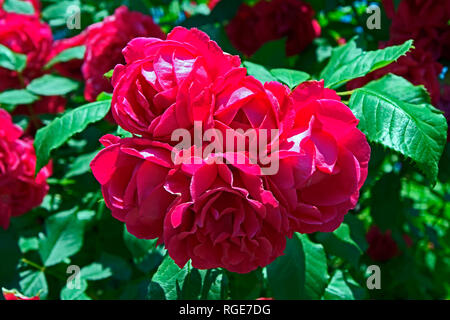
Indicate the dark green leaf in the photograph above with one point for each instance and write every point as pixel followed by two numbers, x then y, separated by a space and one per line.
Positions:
pixel 349 62
pixel 290 77
pixel 301 273
pixel 399 116
pixel 61 129
pixel 168 280
pixel 64 237
pixel 11 60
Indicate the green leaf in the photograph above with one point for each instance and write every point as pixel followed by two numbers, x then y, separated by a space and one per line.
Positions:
pixel 259 72
pixel 61 129
pixel 11 60
pixel 290 77
pixel 18 6
pixel 32 282
pixel 51 85
pixel 340 243
pixel 75 53
pixel 301 273
pixel 109 74
pixel 145 254
pixel 80 165
pixel 16 97
pixel 28 244
pixel 247 286
pixel 398 115
pixel 74 293
pixel 338 288
pixel 95 271
pixel 349 62
pixel 64 237
pixel 271 54
pixel 168 280
pixel 386 206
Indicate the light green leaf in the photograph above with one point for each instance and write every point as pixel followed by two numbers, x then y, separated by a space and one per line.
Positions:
pixel 33 282
pixel 51 85
pixel 74 293
pixel 11 60
pixel 398 115
pixel 64 237
pixel 18 6
pixel 301 273
pixel 349 62
pixel 61 129
pixel 259 72
pixel 95 271
pixel 28 244
pixel 168 280
pixel 16 97
pixel 290 77
pixel 338 289
pixel 75 53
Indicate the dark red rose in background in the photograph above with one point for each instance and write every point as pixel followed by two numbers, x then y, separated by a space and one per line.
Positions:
pixel 15 295
pixel 168 84
pixel 418 66
pixel 132 173
pixel 424 21
pixel 20 190
pixel 104 42
pixel 382 247
pixel 223 218
pixel 27 35
pixel 267 21
pixel 324 161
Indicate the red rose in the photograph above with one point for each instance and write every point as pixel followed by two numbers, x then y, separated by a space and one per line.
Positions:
pixel 132 173
pixel 242 102
pixel 417 66
pixel 223 218
pixel 382 246
pixel 168 84
pixel 16 295
pixel 424 21
pixel 104 42
pixel 20 190
pixel 324 161
pixel 27 35
pixel 267 21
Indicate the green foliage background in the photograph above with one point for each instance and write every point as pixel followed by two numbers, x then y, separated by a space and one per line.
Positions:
pixel 407 191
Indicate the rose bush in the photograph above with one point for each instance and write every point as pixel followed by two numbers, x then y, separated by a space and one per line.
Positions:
pixel 339 157
pixel 20 190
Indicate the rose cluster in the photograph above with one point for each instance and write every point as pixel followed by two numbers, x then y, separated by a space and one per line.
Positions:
pixel 224 213
pixel 104 41
pixel 20 190
pixel 427 23
pixel 266 21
